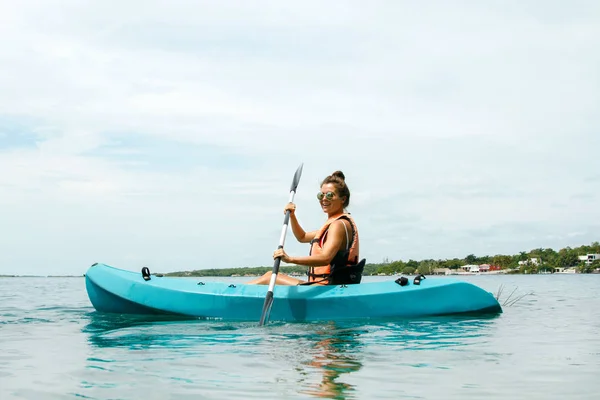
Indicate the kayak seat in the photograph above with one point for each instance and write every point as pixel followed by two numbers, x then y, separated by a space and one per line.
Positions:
pixel 342 275
pixel 347 275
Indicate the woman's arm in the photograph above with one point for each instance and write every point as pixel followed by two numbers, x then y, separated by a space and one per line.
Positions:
pixel 335 239
pixel 301 235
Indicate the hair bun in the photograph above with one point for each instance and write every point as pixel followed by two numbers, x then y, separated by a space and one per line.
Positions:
pixel 339 174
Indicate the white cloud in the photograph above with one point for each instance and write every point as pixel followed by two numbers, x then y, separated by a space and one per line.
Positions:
pixel 446 119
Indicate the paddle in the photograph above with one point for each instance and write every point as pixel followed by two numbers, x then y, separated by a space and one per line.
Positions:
pixel 269 298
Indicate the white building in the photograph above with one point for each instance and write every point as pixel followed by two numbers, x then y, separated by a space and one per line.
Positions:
pixel 589 258
pixel 470 268
pixel 531 261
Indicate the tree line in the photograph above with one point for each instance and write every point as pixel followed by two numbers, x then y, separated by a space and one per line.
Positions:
pixel 548 260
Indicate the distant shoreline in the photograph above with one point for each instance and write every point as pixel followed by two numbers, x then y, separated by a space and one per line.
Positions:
pixel 584 259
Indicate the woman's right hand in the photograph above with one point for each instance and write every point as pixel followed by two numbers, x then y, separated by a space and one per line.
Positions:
pixel 291 207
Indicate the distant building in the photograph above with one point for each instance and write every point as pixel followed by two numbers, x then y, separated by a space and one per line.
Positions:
pixel 470 268
pixel 442 271
pixel 531 261
pixel 484 267
pixel 589 258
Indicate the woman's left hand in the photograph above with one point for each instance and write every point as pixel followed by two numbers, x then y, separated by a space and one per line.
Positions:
pixel 281 253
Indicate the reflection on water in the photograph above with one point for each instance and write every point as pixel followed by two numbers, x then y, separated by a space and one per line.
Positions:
pixel 340 349
pixel 315 359
pixel 115 330
pixel 337 353
pixel 434 333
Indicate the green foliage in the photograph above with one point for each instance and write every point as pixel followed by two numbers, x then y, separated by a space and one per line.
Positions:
pixel 586 269
pixel 426 267
pixel 454 263
pixel 548 260
pixel 566 257
pixel 470 259
pixel 503 261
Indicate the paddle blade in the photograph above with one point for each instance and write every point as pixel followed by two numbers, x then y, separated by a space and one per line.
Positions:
pixel 266 308
pixel 296 180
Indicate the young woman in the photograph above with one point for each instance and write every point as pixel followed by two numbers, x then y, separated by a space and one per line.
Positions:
pixel 333 257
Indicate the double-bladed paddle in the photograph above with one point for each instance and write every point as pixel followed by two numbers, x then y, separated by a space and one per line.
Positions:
pixel 264 318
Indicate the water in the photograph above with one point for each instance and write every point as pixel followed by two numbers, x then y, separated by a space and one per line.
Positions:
pixel 546 346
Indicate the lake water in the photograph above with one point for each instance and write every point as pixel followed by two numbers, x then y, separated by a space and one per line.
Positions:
pixel 53 345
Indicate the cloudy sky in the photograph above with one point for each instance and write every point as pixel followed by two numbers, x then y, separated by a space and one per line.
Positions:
pixel 166 133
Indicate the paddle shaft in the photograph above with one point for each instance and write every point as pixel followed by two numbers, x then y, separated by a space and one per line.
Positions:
pixel 269 298
pixel 266 311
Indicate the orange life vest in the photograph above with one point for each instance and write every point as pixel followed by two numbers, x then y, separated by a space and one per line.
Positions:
pixel 344 258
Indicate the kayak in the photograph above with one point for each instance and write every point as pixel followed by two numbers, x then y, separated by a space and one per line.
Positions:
pixel 114 290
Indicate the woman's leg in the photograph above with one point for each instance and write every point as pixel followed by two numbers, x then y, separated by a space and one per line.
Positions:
pixel 282 279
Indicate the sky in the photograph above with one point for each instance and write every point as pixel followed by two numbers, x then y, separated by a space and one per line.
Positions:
pixel 166 133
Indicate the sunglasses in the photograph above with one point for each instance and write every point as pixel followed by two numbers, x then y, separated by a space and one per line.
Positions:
pixel 328 195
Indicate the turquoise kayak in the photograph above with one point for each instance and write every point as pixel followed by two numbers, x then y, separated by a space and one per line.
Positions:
pixel 113 290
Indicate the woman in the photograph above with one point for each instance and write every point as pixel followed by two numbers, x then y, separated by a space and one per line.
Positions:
pixel 333 257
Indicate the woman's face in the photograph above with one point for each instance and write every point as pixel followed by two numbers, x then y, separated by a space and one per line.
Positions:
pixel 330 201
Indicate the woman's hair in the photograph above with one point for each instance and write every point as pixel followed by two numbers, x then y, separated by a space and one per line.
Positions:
pixel 339 181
